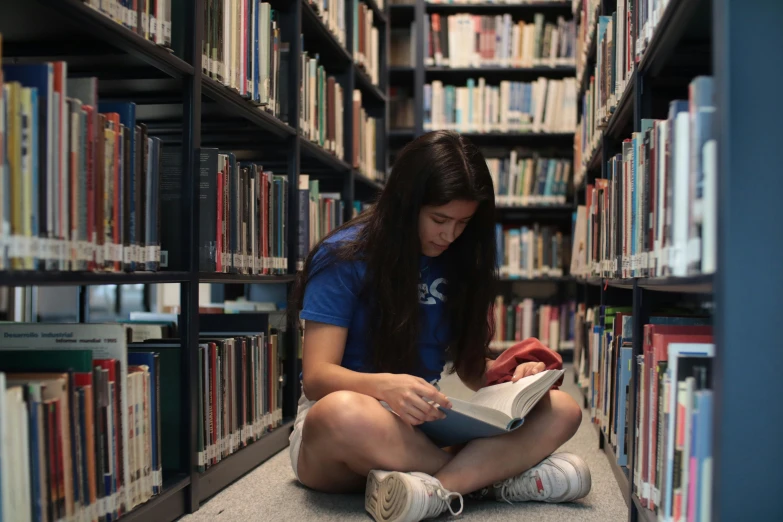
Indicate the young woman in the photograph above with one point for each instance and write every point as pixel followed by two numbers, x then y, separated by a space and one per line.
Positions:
pixel 386 300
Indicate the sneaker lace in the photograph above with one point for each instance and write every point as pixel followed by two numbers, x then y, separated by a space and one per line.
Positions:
pixel 445 497
pixel 524 485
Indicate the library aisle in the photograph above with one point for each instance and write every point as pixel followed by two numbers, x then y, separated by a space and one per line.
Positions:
pixel 271 489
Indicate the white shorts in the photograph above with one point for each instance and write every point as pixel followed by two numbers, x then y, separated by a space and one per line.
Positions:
pixel 295 439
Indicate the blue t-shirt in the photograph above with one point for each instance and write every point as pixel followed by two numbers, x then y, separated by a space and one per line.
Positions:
pixel 332 297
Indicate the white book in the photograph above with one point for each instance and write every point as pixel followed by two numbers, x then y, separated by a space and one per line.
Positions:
pixel 709 231
pixel 680 181
pixel 660 177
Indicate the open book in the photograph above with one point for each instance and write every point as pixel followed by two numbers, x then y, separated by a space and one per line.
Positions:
pixel 491 411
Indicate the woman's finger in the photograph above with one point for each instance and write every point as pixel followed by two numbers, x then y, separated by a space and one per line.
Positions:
pixel 429 391
pixel 422 409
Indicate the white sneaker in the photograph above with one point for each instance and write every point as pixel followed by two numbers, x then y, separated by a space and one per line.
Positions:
pixel 392 496
pixel 562 477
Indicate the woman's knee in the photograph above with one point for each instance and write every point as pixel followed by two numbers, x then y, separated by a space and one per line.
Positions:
pixel 567 412
pixel 342 417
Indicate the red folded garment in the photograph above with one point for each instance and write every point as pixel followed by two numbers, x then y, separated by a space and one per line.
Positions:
pixel 529 350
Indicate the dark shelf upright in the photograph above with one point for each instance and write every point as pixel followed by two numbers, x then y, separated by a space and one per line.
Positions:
pixel 748 284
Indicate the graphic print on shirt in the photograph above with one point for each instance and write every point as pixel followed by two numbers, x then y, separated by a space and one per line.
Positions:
pixel 428 295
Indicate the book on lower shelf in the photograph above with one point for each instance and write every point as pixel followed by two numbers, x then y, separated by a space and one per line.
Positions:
pixel 466 40
pixel 546 105
pixel 81 421
pixel 522 180
pixel 671 434
pixel 520 319
pixel 655 213
pixel 240 383
pixel 493 410
pixel 80 176
pixel 150 19
pixel 243 212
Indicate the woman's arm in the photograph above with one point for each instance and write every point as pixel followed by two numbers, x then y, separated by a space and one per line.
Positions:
pixel 322 354
pixel 323 349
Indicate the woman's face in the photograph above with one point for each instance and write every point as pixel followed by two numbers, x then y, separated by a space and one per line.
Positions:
pixel 440 226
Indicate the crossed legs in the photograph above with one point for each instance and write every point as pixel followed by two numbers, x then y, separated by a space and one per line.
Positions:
pixel 346 435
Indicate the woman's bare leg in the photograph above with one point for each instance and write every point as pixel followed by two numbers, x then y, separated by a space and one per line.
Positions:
pixel 483 462
pixel 347 434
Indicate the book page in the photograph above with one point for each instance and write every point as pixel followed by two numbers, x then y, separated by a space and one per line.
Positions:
pixel 517 398
pixel 483 413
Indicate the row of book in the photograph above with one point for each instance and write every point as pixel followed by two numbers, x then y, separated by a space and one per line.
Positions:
pixel 321 106
pixel 243 212
pixel 242 49
pixel 655 213
pixel 150 19
pixel 585 32
pixel 541 106
pixel 467 40
pixel 621 40
pixel 366 49
pixel 79 177
pixel 515 321
pixel 81 422
pixel 530 252
pixel 90 414
pixel 672 430
pixel 240 395
pixel 332 14
pixel 523 181
pixel 607 83
pixel 319 214
pixel 365 140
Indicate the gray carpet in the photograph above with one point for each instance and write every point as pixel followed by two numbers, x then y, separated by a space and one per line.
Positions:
pixel 271 493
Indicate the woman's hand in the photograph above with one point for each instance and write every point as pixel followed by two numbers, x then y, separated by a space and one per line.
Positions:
pixel 526 369
pixel 408 397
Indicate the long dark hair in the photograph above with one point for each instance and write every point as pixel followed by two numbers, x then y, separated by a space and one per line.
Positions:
pixel 435 169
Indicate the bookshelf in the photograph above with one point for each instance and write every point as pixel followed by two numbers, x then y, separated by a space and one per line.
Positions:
pixel 188 108
pixel 524 66
pixel 692 38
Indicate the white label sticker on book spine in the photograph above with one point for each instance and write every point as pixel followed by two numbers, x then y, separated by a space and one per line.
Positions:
pixel 153 26
pixel 694 250
pixel 126 252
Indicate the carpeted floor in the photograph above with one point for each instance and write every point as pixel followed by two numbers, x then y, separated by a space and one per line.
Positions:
pixel 270 492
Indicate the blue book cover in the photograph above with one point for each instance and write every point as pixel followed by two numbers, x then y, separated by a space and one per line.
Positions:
pixel 491 411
